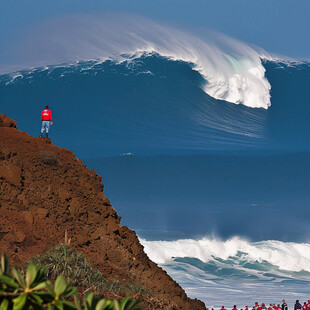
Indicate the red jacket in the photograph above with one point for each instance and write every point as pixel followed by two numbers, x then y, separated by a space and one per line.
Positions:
pixel 46 115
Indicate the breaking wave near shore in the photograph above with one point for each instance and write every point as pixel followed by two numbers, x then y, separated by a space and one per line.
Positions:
pixel 285 256
pixel 239 271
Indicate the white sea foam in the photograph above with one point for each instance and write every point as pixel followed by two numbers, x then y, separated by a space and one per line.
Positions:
pixel 14 77
pixel 288 256
pixel 233 70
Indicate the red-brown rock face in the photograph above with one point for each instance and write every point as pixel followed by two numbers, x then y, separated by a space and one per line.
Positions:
pixel 45 190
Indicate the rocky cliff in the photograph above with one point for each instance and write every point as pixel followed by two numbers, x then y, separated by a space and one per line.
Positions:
pixel 45 190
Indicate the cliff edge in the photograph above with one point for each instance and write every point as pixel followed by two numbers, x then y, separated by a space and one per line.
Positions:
pixel 45 190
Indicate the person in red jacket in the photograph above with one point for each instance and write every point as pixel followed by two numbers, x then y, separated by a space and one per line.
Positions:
pixel 47 120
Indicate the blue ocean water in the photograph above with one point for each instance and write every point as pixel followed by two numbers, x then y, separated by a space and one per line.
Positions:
pixel 217 191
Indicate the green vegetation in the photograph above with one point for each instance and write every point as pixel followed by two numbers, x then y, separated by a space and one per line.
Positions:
pixel 71 264
pixel 33 291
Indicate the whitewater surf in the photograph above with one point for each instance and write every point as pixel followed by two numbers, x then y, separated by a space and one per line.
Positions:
pixel 237 270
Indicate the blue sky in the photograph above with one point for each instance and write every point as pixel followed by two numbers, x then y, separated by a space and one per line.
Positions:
pixel 278 26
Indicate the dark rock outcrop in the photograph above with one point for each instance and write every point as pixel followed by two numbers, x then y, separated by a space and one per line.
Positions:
pixel 6 121
pixel 45 190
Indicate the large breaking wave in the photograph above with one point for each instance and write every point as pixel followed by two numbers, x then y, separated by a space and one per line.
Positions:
pixel 160 107
pixel 232 70
pixel 152 104
pixel 287 256
pixel 140 76
pixel 236 271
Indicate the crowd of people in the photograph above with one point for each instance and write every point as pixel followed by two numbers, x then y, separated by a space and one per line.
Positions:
pixel 284 306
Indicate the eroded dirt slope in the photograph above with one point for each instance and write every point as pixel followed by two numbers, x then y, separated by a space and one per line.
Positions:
pixel 45 190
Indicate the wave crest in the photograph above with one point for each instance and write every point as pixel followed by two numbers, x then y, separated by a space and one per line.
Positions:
pixel 233 70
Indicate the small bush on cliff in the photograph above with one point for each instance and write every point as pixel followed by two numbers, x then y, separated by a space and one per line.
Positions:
pixel 49 158
pixel 34 291
pixel 71 264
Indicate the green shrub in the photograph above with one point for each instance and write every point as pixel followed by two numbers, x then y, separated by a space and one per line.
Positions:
pixel 71 264
pixel 33 291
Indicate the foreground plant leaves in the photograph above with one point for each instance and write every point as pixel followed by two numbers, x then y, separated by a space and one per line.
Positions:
pixel 19 302
pixel 34 291
pixel 4 266
pixel 4 304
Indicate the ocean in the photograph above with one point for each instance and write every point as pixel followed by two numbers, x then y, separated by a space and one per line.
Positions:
pixel 204 151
